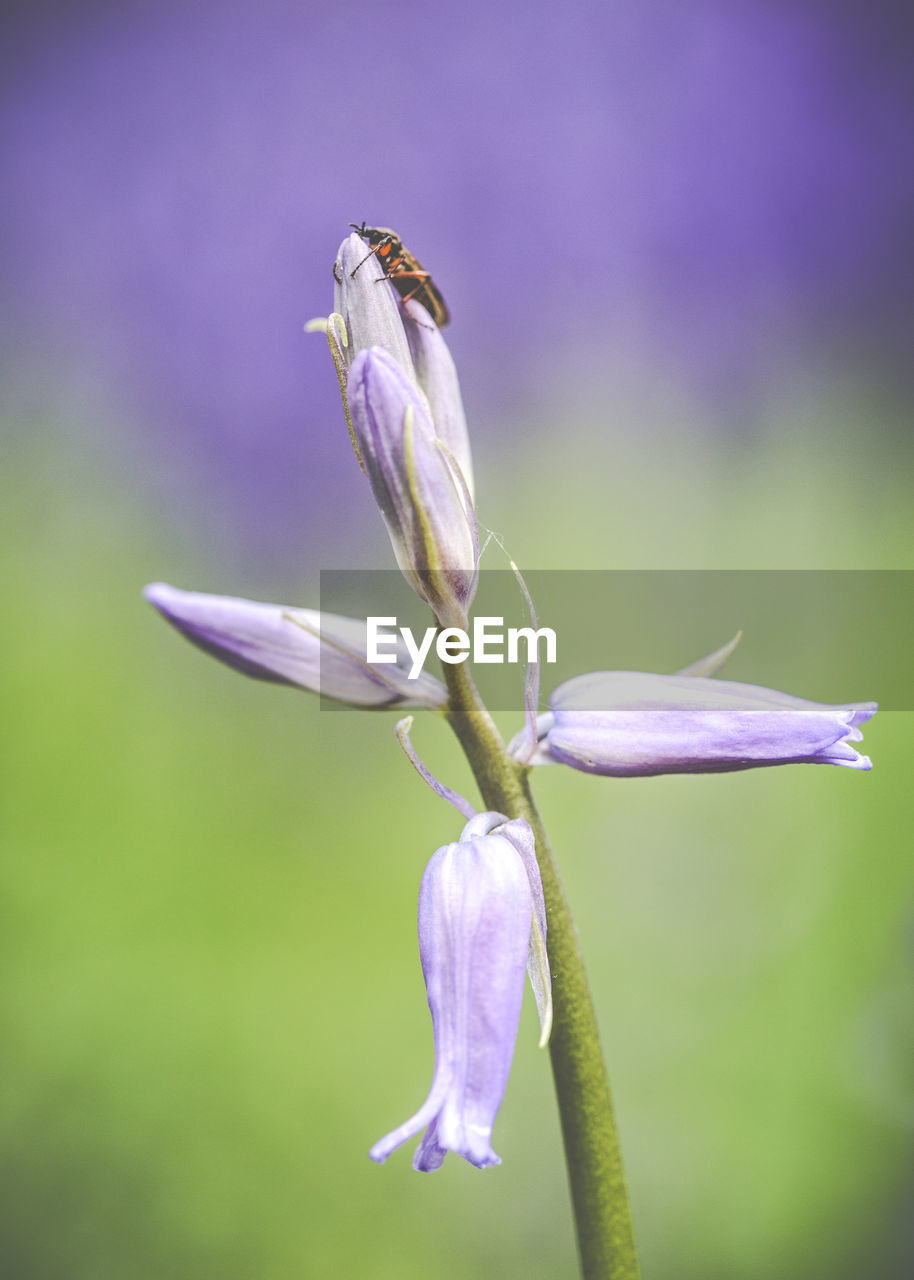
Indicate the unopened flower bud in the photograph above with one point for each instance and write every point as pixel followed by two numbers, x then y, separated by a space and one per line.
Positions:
pixel 425 505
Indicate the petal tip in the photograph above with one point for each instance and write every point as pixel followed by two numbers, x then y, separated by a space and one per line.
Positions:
pixel 158 594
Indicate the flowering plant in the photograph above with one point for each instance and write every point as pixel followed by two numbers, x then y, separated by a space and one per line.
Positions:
pixel 491 904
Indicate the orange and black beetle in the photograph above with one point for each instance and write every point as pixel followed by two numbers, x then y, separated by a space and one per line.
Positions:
pixel 404 272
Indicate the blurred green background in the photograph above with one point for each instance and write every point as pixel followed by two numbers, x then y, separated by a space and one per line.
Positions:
pixel 211 999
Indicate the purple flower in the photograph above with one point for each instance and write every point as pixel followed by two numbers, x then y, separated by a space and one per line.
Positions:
pixel 321 652
pixel 420 467
pixel 425 504
pixel 476 903
pixel 633 724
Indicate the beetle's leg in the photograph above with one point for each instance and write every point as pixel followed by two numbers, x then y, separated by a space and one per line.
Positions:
pixel 420 276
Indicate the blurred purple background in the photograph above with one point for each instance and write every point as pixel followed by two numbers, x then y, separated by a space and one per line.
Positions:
pixel 708 194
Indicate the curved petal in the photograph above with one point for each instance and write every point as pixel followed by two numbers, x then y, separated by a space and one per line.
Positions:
pixel 521 836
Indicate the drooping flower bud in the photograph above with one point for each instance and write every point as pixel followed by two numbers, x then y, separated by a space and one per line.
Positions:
pixel 634 724
pixel 476 903
pixel 322 652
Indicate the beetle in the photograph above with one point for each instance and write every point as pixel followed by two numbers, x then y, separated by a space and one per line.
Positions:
pixel 403 270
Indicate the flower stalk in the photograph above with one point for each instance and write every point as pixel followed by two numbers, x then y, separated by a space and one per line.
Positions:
pixel 593 1152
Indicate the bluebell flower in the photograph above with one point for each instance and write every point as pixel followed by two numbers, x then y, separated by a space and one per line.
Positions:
pixel 402 403
pixel 321 652
pixel 482 922
pixel 634 724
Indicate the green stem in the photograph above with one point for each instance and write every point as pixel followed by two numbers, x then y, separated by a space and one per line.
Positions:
pixel 592 1150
